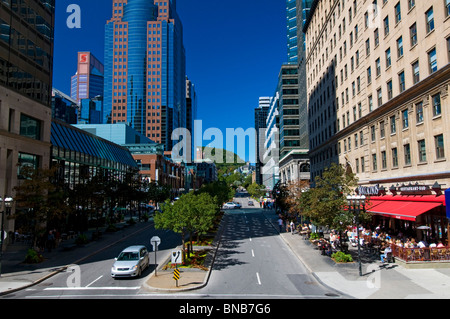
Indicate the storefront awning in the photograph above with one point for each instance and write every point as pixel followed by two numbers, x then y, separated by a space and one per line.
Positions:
pixel 406 210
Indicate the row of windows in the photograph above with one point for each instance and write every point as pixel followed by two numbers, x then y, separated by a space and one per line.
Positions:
pixel 382 162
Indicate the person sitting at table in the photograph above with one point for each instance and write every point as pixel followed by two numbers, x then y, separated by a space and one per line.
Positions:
pixel 384 255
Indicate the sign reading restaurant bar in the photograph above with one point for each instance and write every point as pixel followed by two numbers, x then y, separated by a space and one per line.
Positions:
pixel 410 189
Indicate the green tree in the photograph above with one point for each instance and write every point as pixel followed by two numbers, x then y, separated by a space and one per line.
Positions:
pixel 220 191
pixel 40 200
pixel 325 204
pixel 191 213
pixel 256 191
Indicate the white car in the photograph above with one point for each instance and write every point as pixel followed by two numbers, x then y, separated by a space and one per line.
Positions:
pixel 131 262
pixel 229 205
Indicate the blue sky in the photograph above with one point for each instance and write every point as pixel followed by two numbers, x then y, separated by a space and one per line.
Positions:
pixel 234 51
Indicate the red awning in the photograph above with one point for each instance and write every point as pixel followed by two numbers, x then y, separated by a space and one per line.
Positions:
pixel 405 210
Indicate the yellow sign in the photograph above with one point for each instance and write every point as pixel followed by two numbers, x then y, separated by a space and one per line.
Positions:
pixel 176 275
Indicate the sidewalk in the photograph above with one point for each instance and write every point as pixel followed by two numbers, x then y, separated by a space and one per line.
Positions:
pixel 379 281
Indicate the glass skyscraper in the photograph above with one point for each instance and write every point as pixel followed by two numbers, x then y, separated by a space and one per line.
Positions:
pixel 87 83
pixel 145 64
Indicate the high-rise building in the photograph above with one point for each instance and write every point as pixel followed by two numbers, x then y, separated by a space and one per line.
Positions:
pixel 261 113
pixel 293 123
pixel 87 83
pixel 291 19
pixel 191 114
pixel 377 86
pixel 26 70
pixel 145 76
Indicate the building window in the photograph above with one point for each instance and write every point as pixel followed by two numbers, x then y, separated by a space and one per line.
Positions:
pixel 380 97
pixel 376 38
pixel 447 8
pixel 432 60
pixel 388 58
pixel 27 160
pixel 372 133
pixel 382 130
pixel 363 166
pixel 386 26
pixel 394 157
pixel 405 120
pixel 398 13
pixel 30 127
pixel 439 142
pixel 378 66
pixel 413 34
pixel 374 162
pixel 411 4
pixel 419 112
pixel 401 80
pixel 407 151
pixel 436 104
pixel 400 47
pixel 430 20
pixel 383 160
pixel 389 89
pixel 416 72
pixel 422 151
pixel 393 125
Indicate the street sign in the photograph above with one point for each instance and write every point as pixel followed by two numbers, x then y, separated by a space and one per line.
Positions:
pixel 155 241
pixel 176 275
pixel 177 257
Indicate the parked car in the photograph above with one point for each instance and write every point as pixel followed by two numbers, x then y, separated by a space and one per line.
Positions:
pixel 230 205
pixel 250 203
pixel 131 262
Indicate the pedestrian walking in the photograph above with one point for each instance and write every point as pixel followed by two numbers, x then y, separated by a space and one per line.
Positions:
pixel 50 240
pixel 292 227
pixel 280 224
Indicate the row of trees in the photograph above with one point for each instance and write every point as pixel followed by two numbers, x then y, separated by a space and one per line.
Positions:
pixel 44 202
pixel 326 203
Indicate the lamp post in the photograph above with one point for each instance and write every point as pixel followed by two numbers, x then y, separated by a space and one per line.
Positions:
pixel 8 203
pixel 356 204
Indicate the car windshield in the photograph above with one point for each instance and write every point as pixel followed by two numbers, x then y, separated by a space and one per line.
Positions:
pixel 133 255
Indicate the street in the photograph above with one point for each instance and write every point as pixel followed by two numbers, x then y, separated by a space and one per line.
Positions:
pixel 252 262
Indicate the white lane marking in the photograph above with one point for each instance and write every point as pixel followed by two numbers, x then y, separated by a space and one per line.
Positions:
pixel 92 288
pixel 259 280
pixel 94 281
pixel 253 253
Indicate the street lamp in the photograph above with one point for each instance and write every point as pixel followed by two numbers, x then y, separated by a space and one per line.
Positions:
pixel 8 203
pixel 356 204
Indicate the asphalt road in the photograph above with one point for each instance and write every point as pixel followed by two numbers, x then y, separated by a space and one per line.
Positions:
pixel 92 279
pixel 252 262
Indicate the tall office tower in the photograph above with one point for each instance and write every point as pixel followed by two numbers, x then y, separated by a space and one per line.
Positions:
pixel 26 70
pixel 191 113
pixel 145 76
pixel 294 144
pixel 87 83
pixel 261 113
pixel 291 18
pixel 378 77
